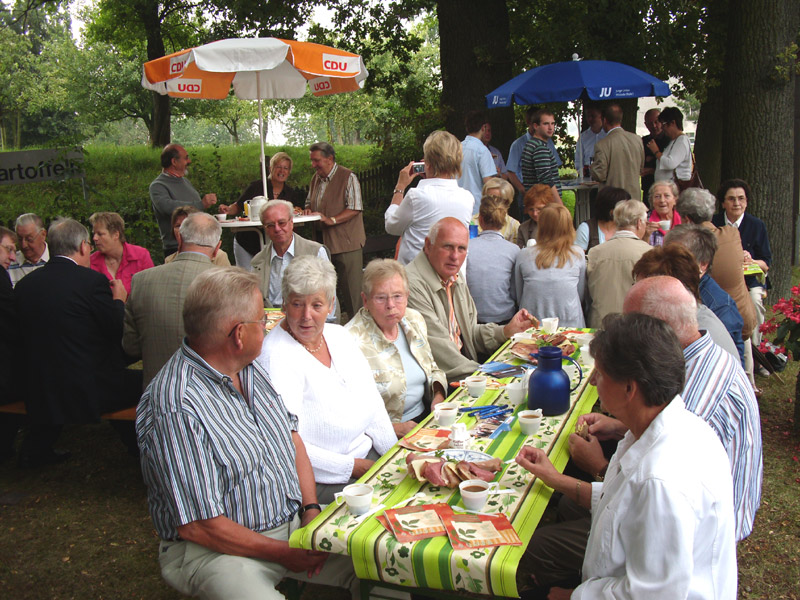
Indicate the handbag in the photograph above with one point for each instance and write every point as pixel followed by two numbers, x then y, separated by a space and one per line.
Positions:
pixel 693 181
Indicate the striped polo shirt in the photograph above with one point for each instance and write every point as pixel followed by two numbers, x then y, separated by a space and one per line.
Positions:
pixel 208 451
pixel 718 391
pixel 538 165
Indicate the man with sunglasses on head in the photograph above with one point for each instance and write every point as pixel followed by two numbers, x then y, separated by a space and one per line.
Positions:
pixel 33 252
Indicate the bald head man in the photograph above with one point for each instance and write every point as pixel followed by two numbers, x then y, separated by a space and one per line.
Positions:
pixel 667 299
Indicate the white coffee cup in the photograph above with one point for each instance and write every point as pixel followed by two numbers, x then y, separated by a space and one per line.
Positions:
pixel 549 324
pixel 516 392
pixel 665 225
pixel 475 492
pixel 358 497
pixel 476 385
pixel 445 414
pixel 530 421
pixel 222 217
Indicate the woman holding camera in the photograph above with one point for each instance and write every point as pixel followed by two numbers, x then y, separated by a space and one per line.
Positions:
pixel 436 196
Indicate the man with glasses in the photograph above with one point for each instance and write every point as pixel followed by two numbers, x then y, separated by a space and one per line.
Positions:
pixel 228 477
pixel 153 323
pixel 172 189
pixel 34 252
pixel 72 363
pixel 283 245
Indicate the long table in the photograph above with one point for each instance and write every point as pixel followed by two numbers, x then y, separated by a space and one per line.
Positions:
pixel 432 563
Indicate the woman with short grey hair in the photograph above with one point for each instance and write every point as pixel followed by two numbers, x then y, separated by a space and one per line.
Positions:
pixel 324 379
pixel 394 340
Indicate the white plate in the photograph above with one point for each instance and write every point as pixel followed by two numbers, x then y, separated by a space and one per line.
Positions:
pixel 459 455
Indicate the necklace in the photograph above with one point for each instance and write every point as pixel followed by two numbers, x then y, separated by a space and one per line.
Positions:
pixel 315 350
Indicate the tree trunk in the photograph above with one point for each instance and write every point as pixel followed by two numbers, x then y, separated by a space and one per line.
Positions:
pixel 759 109
pixel 160 134
pixel 797 405
pixel 708 144
pixel 796 175
pixel 629 106
pixel 474 60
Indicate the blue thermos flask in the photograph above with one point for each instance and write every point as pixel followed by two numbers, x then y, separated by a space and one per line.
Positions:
pixel 549 385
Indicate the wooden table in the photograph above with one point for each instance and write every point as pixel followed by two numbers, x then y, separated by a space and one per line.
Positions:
pixel 433 563
pixel 255 224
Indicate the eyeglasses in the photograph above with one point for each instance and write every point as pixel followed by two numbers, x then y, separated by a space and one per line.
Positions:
pixel 262 320
pixel 396 298
pixel 282 223
pixel 10 249
pixel 30 239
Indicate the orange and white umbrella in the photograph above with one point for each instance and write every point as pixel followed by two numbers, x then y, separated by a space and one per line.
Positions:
pixel 257 68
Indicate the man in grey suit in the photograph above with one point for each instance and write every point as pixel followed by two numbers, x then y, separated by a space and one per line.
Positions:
pixel 283 245
pixel 153 314
pixel 619 157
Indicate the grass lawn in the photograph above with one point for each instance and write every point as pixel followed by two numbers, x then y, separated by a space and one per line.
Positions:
pixel 82 529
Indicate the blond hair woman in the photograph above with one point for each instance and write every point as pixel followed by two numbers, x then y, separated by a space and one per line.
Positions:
pixel 550 276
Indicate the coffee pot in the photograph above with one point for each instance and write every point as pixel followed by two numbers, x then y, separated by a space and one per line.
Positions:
pixel 549 385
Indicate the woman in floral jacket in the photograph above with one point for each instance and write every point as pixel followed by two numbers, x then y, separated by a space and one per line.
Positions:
pixel 394 339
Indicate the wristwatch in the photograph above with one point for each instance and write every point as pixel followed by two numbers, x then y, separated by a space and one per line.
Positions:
pixel 334 220
pixel 303 509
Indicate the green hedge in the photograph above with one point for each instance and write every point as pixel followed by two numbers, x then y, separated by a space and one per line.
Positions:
pixel 117 179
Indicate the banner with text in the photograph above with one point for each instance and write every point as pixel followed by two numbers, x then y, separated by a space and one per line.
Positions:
pixel 30 166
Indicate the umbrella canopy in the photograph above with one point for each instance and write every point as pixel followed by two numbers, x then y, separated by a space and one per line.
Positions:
pixel 257 68
pixel 576 79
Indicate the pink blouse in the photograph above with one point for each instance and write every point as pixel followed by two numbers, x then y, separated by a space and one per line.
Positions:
pixel 134 259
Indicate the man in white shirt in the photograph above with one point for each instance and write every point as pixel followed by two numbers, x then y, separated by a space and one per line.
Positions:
pixel 477 165
pixel 283 246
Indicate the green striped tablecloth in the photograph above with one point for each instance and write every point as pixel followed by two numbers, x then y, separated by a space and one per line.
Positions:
pixel 432 563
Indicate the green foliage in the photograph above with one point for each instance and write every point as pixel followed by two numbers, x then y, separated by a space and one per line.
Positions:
pixel 396 117
pixel 117 179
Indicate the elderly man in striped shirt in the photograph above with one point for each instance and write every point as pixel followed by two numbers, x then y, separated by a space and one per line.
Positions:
pixel 227 475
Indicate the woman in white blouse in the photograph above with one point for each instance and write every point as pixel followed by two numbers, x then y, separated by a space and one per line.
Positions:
pixel 675 162
pixel 436 196
pixel 323 378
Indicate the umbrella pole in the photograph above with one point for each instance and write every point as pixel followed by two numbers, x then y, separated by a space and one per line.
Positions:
pixel 261 134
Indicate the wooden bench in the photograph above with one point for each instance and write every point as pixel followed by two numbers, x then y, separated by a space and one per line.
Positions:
pixel 126 414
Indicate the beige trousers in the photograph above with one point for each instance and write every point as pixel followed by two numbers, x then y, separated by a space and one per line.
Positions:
pixel 197 571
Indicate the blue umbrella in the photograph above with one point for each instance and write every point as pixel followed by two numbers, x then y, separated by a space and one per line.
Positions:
pixel 575 79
